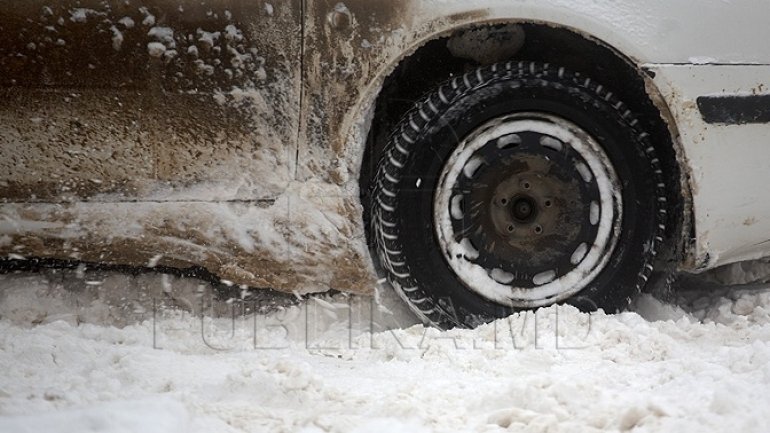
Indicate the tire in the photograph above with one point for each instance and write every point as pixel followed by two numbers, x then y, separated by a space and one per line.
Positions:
pixel 516 186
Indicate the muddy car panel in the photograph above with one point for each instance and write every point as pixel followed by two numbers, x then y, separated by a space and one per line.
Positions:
pixel 230 134
pixel 126 124
pixel 119 101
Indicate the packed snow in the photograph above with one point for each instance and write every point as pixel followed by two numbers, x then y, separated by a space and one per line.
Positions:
pixel 88 351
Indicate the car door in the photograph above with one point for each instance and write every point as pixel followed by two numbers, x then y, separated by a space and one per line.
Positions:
pixel 148 100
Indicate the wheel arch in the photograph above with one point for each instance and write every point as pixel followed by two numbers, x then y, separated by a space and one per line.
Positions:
pixel 428 62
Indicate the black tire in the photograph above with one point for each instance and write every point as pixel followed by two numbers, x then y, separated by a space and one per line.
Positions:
pixel 402 200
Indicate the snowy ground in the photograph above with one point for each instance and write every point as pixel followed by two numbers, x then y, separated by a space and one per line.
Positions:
pixel 76 357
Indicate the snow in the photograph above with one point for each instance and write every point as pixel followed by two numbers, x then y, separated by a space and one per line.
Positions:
pixel 233 33
pixel 127 22
pixel 508 140
pixel 544 277
pixel 79 15
pixel 702 60
pixel 208 39
pixel 164 35
pixel 347 364
pixel 470 168
pixel 151 415
pixel 584 171
pixel 149 19
pixel 156 49
pixel 117 38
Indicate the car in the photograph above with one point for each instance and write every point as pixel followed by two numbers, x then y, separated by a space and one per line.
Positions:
pixel 479 157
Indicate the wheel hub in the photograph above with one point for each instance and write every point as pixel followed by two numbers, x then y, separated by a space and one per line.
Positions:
pixel 524 209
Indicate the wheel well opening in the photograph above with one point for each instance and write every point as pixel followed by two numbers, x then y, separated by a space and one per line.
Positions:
pixel 463 50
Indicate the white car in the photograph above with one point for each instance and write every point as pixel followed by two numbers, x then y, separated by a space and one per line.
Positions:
pixel 479 156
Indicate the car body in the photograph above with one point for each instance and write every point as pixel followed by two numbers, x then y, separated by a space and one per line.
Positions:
pixel 234 135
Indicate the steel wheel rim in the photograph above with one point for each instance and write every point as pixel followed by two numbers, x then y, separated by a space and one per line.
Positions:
pixel 472 210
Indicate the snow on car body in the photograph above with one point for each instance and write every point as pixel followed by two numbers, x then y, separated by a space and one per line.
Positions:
pixel 243 137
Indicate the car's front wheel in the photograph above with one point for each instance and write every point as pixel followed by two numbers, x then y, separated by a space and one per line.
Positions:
pixel 516 186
